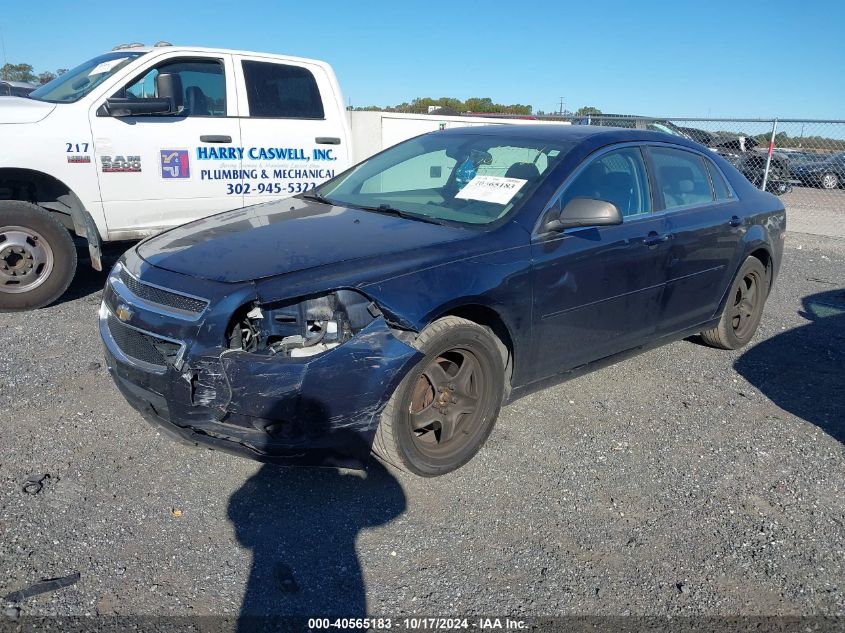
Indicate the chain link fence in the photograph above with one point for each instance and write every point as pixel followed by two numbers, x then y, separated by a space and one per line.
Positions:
pixel 801 160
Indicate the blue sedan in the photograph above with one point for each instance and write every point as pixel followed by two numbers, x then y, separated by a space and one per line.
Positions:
pixel 397 307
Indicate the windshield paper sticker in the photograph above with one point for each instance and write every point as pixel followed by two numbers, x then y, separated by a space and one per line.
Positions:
pixel 495 189
pixel 106 66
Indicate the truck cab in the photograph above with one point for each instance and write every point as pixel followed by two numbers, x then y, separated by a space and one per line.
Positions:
pixel 141 139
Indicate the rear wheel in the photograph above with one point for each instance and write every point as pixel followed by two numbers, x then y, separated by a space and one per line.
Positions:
pixel 445 408
pixel 743 309
pixel 37 256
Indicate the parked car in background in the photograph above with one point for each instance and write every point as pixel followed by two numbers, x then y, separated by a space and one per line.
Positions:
pixel 828 173
pixel 398 305
pixel 699 136
pixel 752 165
pixel 15 88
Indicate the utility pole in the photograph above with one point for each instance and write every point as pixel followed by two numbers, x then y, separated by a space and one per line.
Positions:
pixel 3 46
pixel 561 106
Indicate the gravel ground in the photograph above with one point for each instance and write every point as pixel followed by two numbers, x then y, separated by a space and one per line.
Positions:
pixel 683 481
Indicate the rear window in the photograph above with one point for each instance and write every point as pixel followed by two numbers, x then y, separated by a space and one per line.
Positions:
pixel 682 176
pixel 281 91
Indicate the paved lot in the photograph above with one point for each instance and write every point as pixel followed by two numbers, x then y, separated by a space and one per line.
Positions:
pixel 816 211
pixel 683 481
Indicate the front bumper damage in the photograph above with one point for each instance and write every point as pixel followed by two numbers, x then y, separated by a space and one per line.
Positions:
pixel 316 411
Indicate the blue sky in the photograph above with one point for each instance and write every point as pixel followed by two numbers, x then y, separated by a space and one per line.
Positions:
pixel 683 58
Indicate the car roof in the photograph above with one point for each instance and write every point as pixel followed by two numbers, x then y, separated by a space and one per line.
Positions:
pixel 588 135
pixel 18 84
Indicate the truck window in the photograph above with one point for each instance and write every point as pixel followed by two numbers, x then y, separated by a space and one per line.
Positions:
pixel 203 85
pixel 281 91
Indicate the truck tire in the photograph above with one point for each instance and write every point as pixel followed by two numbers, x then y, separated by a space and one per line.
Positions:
pixel 743 308
pixel 444 409
pixel 37 257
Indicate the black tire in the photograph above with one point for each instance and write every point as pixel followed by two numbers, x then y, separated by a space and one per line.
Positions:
pixel 458 387
pixel 37 257
pixel 743 308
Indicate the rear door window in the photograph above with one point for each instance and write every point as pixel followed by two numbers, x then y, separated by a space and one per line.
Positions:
pixel 281 91
pixel 682 177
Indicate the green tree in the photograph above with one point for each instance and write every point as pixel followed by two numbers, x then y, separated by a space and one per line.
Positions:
pixel 483 105
pixel 17 72
pixel 586 110
pixel 46 77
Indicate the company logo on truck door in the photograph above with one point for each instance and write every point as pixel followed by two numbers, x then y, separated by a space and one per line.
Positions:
pixel 120 164
pixel 175 163
pixel 262 153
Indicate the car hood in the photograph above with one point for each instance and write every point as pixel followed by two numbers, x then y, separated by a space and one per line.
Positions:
pixel 22 110
pixel 287 236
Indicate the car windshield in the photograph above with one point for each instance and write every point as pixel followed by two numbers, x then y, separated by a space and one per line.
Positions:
pixel 666 128
pixel 464 178
pixel 76 83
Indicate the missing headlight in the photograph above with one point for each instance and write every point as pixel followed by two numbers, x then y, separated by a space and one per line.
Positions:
pixel 303 327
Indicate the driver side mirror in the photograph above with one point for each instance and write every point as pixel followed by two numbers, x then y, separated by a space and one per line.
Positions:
pixel 169 100
pixel 582 212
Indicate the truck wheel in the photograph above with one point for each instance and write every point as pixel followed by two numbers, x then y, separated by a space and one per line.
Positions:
pixel 444 409
pixel 37 256
pixel 743 309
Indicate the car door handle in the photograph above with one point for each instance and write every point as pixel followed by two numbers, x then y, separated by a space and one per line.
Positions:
pixel 735 221
pixel 215 138
pixel 653 239
pixel 327 140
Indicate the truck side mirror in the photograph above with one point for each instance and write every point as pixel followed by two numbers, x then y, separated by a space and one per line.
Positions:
pixel 121 107
pixel 169 100
pixel 582 212
pixel 169 86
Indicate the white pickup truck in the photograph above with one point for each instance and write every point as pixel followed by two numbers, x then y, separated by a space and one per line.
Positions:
pixel 141 139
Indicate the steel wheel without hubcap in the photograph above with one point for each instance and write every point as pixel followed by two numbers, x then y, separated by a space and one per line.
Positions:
pixel 829 181
pixel 743 307
pixel 26 259
pixel 745 304
pixel 445 406
pixel 443 410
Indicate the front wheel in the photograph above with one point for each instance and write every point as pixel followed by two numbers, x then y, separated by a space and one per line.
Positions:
pixel 743 309
pixel 829 181
pixel 445 408
pixel 37 256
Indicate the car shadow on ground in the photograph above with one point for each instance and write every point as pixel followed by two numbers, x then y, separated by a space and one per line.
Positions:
pixel 803 370
pixel 301 525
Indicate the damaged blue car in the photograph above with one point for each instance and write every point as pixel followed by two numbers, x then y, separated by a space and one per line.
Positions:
pixel 395 308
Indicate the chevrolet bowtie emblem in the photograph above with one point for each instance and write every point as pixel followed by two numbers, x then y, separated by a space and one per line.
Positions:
pixel 123 313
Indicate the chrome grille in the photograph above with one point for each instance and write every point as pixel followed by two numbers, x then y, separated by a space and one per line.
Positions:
pixel 141 346
pixel 162 297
